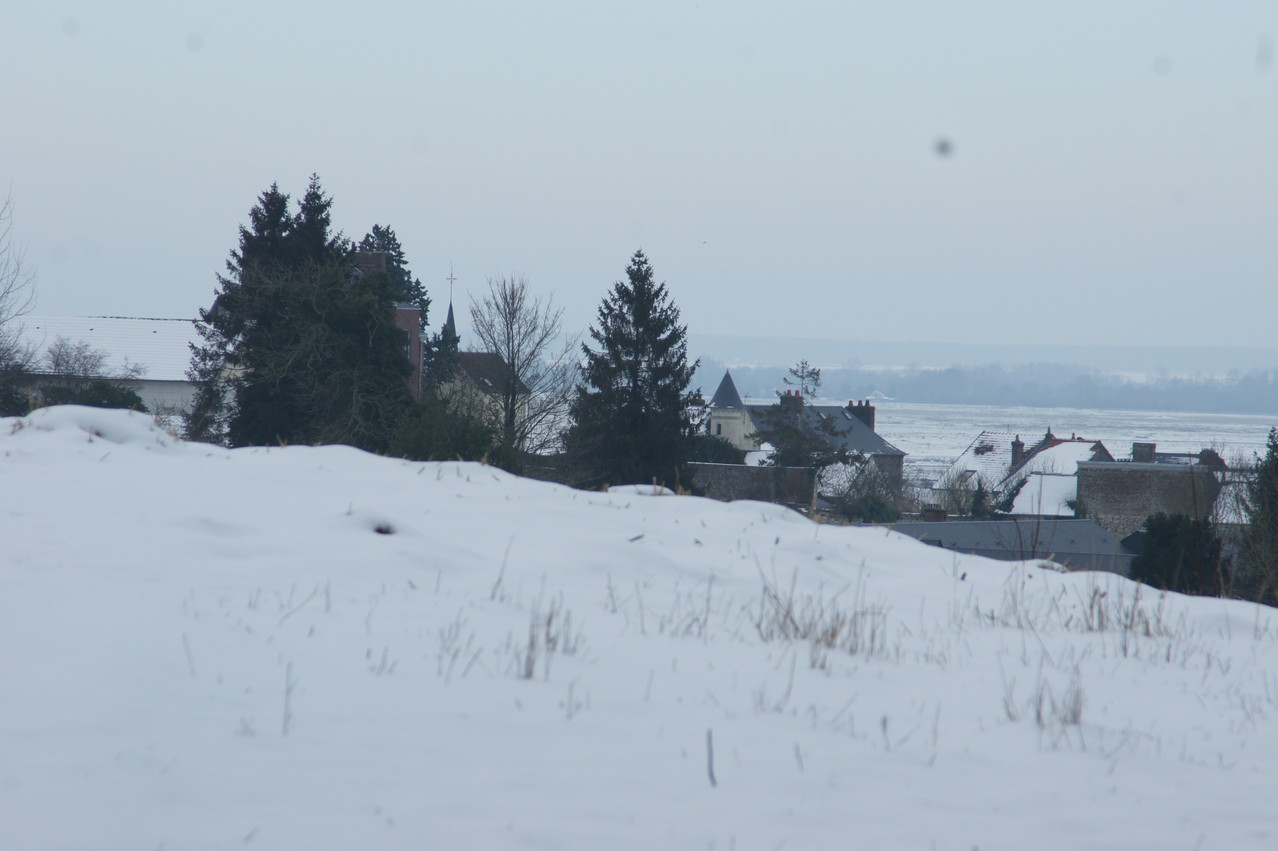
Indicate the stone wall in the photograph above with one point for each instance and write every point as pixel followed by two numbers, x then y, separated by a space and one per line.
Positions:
pixel 786 485
pixel 1120 495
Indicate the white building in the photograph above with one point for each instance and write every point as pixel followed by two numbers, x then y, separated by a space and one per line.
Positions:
pixel 159 348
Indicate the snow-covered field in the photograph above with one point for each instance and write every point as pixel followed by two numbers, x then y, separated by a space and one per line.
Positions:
pixel 315 648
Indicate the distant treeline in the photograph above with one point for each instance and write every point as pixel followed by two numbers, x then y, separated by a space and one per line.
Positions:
pixel 1037 385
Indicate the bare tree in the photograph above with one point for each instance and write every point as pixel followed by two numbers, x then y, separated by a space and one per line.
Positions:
pixel 525 330
pixel 17 296
pixel 77 365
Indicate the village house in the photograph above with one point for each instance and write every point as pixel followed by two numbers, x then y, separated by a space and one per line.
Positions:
pixel 1038 479
pixel 745 424
pixel 1120 494
pixel 481 381
pixel 154 352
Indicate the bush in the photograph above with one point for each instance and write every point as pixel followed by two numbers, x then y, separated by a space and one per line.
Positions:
pixel 711 449
pixel 431 431
pixel 97 394
pixel 870 509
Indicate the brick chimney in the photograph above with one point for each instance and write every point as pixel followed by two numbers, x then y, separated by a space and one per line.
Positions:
pixel 863 411
pixel 369 261
pixel 935 514
pixel 1018 452
pixel 792 399
pixel 1143 453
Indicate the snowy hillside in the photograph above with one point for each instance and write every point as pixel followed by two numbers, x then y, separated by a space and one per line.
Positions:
pixel 314 648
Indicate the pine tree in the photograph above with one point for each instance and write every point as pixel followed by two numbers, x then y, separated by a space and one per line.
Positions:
pixel 798 439
pixel 1180 554
pixel 408 288
pixel 630 417
pixel 296 348
pixel 1258 578
pixel 805 378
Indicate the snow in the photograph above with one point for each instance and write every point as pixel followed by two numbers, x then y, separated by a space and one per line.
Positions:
pixel 162 347
pixel 311 647
pixel 1050 494
pixel 989 456
pixel 1061 459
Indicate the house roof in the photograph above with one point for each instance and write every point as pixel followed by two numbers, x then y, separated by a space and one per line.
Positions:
pixel 988 458
pixel 489 372
pixel 161 346
pixel 847 428
pixel 1047 494
pixel 727 396
pixel 1058 455
pixel 1077 544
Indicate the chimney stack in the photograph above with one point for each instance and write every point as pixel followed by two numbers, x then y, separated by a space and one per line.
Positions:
pixel 935 514
pixel 1018 452
pixel 1143 453
pixel 863 411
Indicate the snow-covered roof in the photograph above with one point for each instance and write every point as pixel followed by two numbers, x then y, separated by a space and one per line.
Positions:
pixel 161 346
pixel 1047 494
pixel 988 458
pixel 1061 457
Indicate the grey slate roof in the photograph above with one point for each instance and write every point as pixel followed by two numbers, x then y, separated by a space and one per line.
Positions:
pixel 1077 544
pixel 727 396
pixel 854 434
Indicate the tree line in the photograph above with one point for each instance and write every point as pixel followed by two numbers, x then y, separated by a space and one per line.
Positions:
pixel 1052 385
pixel 300 345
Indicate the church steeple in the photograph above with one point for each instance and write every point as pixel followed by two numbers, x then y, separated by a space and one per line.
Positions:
pixel 450 327
pixel 449 335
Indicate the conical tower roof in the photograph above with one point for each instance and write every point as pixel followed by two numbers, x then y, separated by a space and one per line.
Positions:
pixel 727 396
pixel 450 326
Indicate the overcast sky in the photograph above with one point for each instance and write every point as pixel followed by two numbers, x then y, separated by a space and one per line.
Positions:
pixel 1112 172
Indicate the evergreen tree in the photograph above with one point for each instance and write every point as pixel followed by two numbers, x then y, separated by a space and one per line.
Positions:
pixel 798 441
pixel 630 416
pixel 439 353
pixel 295 348
pixel 435 429
pixel 805 378
pixel 1180 554
pixel 408 288
pixel 1258 579
pixel 981 508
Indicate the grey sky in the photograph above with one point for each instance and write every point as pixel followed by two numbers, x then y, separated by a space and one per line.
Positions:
pixel 1112 175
